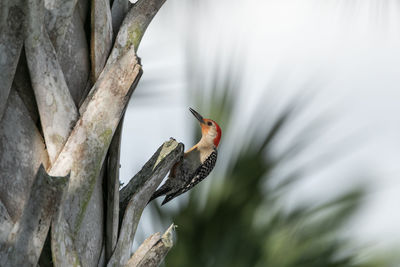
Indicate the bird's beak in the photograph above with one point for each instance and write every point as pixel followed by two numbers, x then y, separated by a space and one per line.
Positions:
pixel 197 115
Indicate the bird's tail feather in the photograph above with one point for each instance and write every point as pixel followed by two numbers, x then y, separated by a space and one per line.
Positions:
pixel 158 193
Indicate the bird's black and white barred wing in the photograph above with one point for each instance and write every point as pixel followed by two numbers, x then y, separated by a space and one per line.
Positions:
pixel 201 172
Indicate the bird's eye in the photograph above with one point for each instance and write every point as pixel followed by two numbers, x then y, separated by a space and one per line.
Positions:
pixel 209 123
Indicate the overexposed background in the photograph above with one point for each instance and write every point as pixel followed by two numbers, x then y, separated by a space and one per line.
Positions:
pixel 350 51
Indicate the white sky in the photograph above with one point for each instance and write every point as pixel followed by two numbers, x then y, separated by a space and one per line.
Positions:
pixel 351 49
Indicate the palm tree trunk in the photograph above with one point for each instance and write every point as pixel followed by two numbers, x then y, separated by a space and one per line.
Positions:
pixel 68 71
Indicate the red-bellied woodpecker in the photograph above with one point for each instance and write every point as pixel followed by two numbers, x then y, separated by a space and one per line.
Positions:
pixel 197 162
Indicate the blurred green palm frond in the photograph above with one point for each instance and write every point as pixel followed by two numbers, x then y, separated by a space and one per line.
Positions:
pixel 241 221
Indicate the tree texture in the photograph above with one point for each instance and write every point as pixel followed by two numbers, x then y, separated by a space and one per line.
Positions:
pixel 68 69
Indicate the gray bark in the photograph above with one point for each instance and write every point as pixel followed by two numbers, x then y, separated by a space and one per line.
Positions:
pixel 19 137
pixel 50 79
pixel 153 250
pixel 29 233
pixel 23 86
pixel 58 17
pixel 11 40
pixel 89 238
pixel 138 192
pixel 102 34
pixel 57 110
pixel 87 146
pixel 118 13
pixel 64 21
pixel 134 25
pixel 112 218
pixel 129 35
pixel 6 224
pixel 83 6
pixel 74 60
pixel 84 152
pixel 63 248
pixel 102 259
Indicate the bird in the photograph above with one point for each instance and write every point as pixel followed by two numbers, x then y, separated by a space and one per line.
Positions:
pixel 196 164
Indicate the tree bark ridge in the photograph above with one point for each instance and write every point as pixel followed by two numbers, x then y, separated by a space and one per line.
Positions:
pixel 29 233
pixel 57 109
pixel 137 194
pixel 112 219
pixel 11 40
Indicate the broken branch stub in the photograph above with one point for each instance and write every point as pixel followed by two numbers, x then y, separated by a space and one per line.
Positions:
pixel 148 169
pixel 134 25
pixel 153 250
pixel 26 239
pixel 137 193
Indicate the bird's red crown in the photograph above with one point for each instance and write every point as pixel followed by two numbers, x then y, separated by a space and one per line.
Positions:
pixel 219 132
